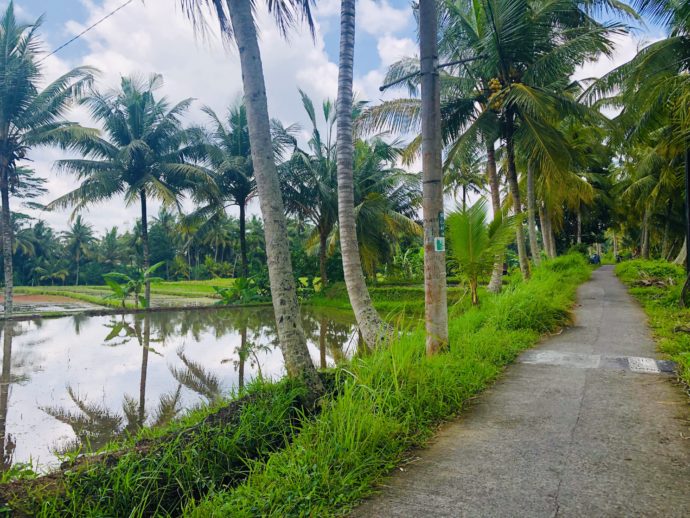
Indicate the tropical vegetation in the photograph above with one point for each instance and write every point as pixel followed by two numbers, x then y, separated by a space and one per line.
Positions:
pixel 544 171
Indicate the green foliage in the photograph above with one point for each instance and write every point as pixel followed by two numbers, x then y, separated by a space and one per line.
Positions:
pixel 473 245
pixel 393 399
pixel 174 466
pixel 123 286
pixel 657 285
pixel 243 291
pixel 269 459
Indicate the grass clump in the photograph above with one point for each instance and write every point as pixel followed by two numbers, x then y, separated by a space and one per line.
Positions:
pixel 657 286
pixel 393 399
pixel 161 470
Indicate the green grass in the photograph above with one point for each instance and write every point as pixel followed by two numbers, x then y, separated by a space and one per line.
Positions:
pixel 389 300
pixel 277 462
pixel 393 400
pixel 660 300
pixel 180 466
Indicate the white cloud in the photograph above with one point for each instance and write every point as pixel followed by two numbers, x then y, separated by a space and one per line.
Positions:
pixel 626 46
pixel 391 49
pixel 378 17
pixel 153 37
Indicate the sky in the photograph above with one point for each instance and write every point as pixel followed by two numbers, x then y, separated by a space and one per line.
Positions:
pixel 153 36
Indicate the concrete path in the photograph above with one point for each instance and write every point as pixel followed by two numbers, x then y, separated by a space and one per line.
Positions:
pixel 587 424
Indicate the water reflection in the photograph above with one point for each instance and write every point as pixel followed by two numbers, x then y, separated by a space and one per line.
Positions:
pixel 71 383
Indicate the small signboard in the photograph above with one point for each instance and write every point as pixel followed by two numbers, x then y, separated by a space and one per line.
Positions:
pixel 440 244
pixel 441 224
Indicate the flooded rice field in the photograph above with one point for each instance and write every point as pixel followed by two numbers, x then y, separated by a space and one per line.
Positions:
pixel 78 381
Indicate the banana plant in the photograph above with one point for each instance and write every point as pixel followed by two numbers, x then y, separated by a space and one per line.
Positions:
pixel 123 286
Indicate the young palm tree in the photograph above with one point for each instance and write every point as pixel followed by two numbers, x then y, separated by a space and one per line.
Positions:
pixel 142 156
pixel 473 244
pixel 236 20
pixel 368 319
pixel 29 117
pixel 77 239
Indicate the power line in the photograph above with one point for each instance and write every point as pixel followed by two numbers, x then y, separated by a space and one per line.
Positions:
pixel 111 13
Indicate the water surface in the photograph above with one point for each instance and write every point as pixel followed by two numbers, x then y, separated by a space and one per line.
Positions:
pixel 80 380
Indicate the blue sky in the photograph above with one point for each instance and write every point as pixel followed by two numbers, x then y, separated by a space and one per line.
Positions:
pixel 153 36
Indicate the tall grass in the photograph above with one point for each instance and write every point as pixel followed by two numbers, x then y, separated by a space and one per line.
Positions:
pixel 393 399
pixel 657 286
pixel 275 461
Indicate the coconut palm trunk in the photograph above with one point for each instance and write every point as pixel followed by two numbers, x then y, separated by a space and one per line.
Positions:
pixel 515 193
pixel 531 216
pixel 144 369
pixel 614 238
pixel 145 245
pixel 579 226
pixel 6 222
pixel 644 242
pixel 243 239
pixel 323 245
pixel 494 187
pixel 5 381
pixel 682 254
pixel 78 258
pixel 436 307
pixel 368 320
pixel 293 342
pixel 548 231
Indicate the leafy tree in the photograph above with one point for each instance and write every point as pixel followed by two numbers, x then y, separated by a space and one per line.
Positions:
pixel 143 155
pixel 309 180
pixel 78 239
pixel 123 285
pixel 29 117
pixel 228 150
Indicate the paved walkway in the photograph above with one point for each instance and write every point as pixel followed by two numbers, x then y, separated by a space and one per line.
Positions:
pixel 587 424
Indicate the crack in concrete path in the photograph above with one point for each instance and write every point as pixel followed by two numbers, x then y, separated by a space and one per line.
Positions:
pixel 552 440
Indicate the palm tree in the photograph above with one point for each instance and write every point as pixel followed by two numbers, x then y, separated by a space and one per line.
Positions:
pixel 29 117
pixel 368 319
pixel 228 150
pixel 653 89
pixel 473 244
pixel 309 180
pixel 516 89
pixel 77 240
pixel 142 157
pixel 387 200
pixel 237 21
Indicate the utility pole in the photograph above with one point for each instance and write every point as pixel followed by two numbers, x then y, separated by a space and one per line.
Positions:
pixel 435 302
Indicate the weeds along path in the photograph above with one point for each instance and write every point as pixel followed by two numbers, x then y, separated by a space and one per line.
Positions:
pixel 586 424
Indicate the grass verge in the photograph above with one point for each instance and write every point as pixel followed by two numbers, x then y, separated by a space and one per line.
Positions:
pixel 394 399
pixel 275 461
pixel 657 286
